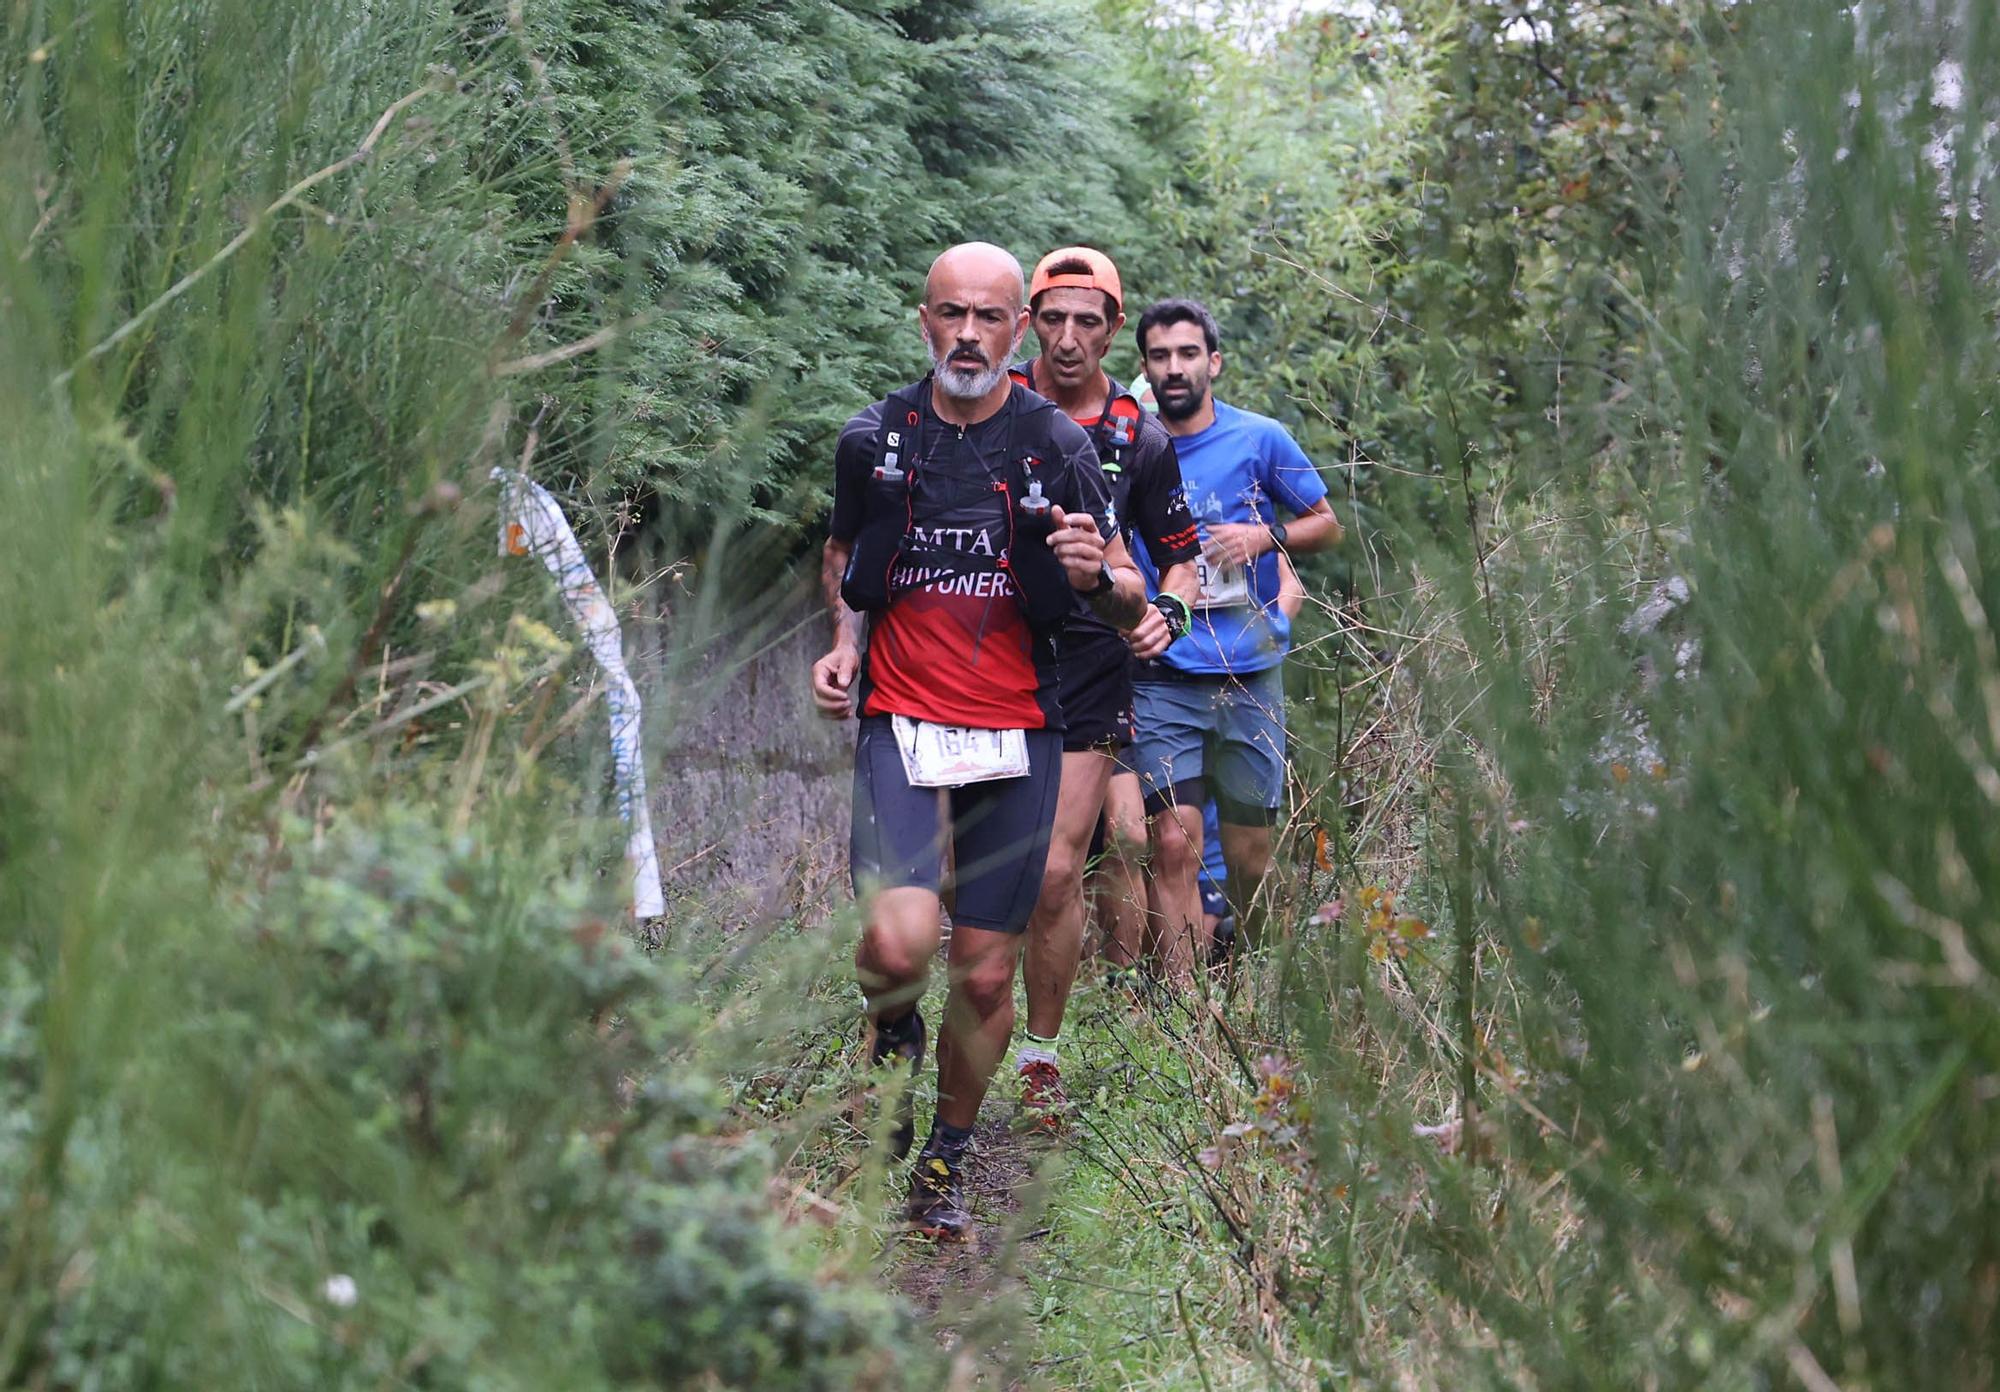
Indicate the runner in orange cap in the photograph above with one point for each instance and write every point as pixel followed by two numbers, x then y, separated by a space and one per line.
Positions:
pixel 1076 308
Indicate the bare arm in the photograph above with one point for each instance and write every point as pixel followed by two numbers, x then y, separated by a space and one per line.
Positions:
pixel 1291 589
pixel 1123 604
pixel 833 675
pixel 1151 636
pixel 832 567
pixel 1082 550
pixel 1315 529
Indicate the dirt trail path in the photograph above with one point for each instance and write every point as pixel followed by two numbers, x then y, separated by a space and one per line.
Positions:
pixel 971 1292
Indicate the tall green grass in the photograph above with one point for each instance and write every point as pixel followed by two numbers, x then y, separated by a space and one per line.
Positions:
pixel 325 1058
pixel 1710 708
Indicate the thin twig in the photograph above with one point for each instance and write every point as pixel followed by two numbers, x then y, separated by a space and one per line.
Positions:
pixel 401 717
pixel 1194 1344
pixel 250 229
pixel 315 642
pixel 49 212
pixel 535 362
pixel 580 221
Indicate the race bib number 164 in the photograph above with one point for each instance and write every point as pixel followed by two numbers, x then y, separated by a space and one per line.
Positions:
pixel 947 756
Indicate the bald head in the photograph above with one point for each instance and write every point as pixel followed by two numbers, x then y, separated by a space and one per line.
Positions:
pixel 976 266
pixel 973 315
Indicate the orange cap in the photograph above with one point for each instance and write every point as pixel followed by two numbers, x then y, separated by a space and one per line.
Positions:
pixel 1101 276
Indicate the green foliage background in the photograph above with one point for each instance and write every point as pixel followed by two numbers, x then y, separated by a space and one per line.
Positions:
pixel 1686 395
pixel 320 1062
pixel 1801 1164
pixel 306 979
pixel 794 169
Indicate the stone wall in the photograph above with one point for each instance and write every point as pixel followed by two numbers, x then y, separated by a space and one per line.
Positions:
pixel 749 785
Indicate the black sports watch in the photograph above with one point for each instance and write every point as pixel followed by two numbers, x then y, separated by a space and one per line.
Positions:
pixel 1175 611
pixel 1277 531
pixel 1107 581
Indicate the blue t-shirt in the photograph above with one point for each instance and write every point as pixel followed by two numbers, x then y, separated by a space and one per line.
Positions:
pixel 1243 468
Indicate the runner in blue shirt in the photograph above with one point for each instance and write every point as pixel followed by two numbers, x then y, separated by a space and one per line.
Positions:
pixel 1213 879
pixel 1210 712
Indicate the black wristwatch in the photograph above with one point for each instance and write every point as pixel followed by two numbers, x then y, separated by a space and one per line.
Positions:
pixel 1107 581
pixel 1175 611
pixel 1277 531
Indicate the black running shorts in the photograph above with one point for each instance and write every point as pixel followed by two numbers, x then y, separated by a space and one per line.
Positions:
pixel 999 830
pixel 1094 690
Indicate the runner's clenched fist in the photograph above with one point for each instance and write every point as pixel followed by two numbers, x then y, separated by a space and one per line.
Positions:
pixel 833 682
pixel 1078 546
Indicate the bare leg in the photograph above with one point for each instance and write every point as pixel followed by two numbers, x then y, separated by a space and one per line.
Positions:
pixel 899 936
pixel 1121 892
pixel 1246 850
pixel 1183 940
pixel 978 1019
pixel 1055 932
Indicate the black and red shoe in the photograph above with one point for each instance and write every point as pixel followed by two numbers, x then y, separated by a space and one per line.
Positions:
pixel 1045 1104
pixel 937 1199
pixel 900 1041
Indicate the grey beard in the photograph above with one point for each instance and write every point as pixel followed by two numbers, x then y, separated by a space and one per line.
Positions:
pixel 969 384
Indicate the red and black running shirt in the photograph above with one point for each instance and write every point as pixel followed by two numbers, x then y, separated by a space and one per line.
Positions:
pixel 954 645
pixel 1148 501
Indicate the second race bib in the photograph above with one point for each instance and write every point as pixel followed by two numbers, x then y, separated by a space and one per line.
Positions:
pixel 946 756
pixel 1222 584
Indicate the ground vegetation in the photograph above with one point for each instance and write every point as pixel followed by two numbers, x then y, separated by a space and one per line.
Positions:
pixel 1634 1020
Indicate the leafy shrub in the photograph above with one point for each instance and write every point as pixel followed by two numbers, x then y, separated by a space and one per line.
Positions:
pixel 324 1060
pixel 1710 815
pixel 373 1130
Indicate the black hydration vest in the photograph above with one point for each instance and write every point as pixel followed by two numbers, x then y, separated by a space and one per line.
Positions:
pixel 1115 437
pixel 886 537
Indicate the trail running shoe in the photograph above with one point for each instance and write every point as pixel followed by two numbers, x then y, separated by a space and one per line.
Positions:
pixel 1044 1103
pixel 1133 988
pixel 901 1039
pixel 1223 943
pixel 937 1199
pixel 1131 981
